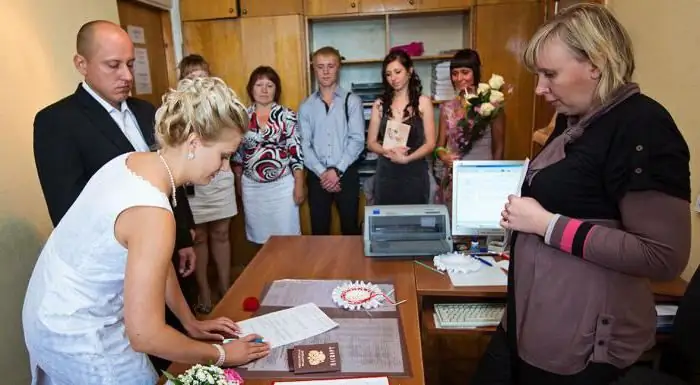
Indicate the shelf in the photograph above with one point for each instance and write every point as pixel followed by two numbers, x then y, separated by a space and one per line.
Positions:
pixel 429 326
pixel 415 58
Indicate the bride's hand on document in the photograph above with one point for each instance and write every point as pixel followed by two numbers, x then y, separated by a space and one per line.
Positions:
pixel 214 329
pixel 525 215
pixel 245 349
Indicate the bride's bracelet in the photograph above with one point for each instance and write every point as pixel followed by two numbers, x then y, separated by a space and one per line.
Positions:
pixel 222 355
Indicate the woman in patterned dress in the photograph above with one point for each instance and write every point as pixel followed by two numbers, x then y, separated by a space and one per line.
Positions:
pixel 269 164
pixel 465 73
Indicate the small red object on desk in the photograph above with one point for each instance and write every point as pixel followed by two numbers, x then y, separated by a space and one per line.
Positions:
pixel 251 304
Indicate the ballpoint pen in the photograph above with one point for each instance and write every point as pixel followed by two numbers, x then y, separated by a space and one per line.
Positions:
pixel 487 263
pixel 227 340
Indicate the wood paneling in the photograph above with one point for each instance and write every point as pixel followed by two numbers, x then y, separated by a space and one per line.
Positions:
pixel 150 19
pixel 277 42
pixel 331 7
pixel 207 9
pixel 444 4
pixel 234 48
pixel 169 46
pixel 253 8
pixel 379 6
pixel 502 32
pixel 220 43
pixel 485 2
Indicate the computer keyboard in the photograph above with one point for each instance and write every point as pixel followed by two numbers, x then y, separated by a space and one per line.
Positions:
pixel 468 315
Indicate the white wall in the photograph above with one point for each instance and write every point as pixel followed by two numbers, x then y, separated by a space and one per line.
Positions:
pixel 38 41
pixel 666 41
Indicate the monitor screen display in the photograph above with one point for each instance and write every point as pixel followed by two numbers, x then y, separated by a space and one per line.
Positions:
pixel 480 190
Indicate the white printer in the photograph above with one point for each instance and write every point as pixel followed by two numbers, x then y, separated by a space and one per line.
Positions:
pixel 406 231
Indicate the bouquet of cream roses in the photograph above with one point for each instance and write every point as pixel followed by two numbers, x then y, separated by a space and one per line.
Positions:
pixel 480 110
pixel 205 375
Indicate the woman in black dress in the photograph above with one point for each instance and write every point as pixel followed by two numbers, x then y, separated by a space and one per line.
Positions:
pixel 402 171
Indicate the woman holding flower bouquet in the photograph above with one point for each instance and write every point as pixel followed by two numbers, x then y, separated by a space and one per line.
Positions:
pixel 603 210
pixel 404 116
pixel 459 138
pixel 95 307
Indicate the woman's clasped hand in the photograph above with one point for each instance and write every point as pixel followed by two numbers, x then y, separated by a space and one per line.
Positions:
pixel 525 215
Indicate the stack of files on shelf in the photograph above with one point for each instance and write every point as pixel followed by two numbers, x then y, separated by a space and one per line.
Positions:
pixel 467 315
pixel 665 315
pixel 441 82
pixel 368 92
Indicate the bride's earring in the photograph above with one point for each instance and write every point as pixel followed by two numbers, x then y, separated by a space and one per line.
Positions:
pixel 190 155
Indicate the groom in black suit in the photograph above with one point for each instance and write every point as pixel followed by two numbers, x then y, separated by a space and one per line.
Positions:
pixel 76 136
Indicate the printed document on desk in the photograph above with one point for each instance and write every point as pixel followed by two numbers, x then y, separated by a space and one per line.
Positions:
pixel 344 381
pixel 289 325
pixel 485 276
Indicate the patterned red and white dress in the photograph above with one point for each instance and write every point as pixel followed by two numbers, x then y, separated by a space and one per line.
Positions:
pixel 268 155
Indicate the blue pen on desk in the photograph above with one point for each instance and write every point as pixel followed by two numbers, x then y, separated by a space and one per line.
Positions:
pixel 227 340
pixel 485 262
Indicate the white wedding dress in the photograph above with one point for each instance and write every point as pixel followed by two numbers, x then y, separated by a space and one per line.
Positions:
pixel 73 313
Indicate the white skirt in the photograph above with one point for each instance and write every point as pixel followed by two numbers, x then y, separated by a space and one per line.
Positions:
pixel 214 201
pixel 270 209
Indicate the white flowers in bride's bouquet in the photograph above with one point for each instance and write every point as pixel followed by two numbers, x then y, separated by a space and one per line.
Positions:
pixel 205 375
pixel 496 82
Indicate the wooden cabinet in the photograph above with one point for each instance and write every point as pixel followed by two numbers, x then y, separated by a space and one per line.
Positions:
pixel 331 7
pixel 380 6
pixel 207 9
pixel 235 48
pixel 253 8
pixel 486 2
pixel 444 4
pixel 500 45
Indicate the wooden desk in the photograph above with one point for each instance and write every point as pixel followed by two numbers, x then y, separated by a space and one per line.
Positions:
pixel 432 287
pixel 331 257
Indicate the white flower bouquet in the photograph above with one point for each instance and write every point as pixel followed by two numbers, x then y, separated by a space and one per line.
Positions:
pixel 205 375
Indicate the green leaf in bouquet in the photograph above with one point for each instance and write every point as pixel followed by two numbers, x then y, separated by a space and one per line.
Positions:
pixel 172 378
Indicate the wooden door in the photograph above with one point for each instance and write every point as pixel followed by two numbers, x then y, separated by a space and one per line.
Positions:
pixel 207 9
pixel 500 45
pixel 331 7
pixel 150 29
pixel 444 4
pixel 253 8
pixel 380 6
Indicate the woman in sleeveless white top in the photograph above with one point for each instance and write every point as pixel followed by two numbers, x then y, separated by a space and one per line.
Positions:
pixel 94 308
pixel 73 312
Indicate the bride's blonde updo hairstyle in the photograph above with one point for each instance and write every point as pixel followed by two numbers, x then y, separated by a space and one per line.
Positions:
pixel 204 106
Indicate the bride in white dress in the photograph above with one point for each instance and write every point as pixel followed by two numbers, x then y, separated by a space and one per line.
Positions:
pixel 95 303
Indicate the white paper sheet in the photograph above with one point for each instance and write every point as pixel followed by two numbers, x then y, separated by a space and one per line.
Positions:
pixel 136 33
pixel 343 381
pixel 142 72
pixel 289 325
pixel 485 276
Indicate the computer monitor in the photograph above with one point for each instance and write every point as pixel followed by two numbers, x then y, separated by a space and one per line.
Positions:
pixel 480 190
